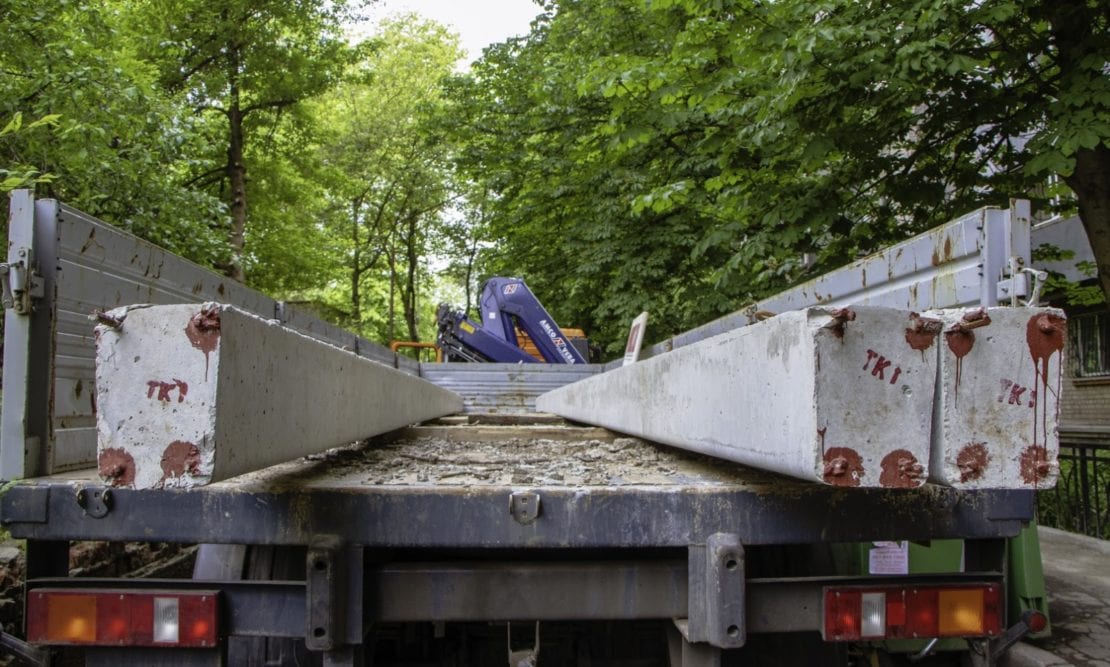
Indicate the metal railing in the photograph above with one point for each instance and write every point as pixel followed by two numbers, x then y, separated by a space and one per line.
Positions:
pixel 1080 502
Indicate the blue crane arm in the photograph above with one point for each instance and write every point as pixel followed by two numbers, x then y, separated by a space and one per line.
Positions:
pixel 506 303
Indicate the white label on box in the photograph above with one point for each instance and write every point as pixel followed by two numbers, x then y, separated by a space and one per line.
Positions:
pixel 889 558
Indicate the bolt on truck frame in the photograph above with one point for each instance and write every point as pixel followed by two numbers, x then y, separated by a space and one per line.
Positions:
pixel 490 535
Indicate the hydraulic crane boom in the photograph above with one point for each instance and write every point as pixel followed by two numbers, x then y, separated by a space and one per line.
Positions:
pixel 506 304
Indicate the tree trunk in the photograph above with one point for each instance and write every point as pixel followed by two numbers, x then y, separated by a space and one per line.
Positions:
pixel 410 296
pixel 391 328
pixel 356 266
pixel 1091 183
pixel 236 171
pixel 1072 25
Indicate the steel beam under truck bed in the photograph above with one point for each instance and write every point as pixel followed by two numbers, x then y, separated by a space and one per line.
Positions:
pixel 533 487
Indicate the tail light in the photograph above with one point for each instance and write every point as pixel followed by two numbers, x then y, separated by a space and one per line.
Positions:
pixel 905 612
pixel 118 618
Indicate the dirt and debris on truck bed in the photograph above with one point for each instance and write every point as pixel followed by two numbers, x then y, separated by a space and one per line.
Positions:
pixel 550 453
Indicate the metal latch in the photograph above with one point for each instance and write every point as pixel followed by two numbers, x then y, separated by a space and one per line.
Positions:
pixel 18 284
pixel 524 506
pixel 95 500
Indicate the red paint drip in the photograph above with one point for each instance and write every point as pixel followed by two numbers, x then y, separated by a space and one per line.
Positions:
pixel 960 342
pixel 972 461
pixel 116 467
pixel 203 332
pixel 900 470
pixel 179 457
pixel 921 335
pixel 843 467
pixel 1045 335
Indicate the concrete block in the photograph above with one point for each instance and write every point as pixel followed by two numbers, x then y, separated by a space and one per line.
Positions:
pixel 192 394
pixel 998 393
pixel 840 396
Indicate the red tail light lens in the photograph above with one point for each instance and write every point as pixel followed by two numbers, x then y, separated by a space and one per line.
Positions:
pixel 119 618
pixel 902 612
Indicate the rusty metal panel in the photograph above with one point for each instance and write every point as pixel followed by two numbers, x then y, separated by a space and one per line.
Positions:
pixel 504 388
pixel 89 265
pixel 99 268
pixel 23 431
pixel 954 265
pixel 190 394
pixel 997 405
pixel 837 396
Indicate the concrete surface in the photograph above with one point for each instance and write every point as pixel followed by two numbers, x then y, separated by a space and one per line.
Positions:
pixel 191 394
pixel 1077 576
pixel 840 397
pixel 998 386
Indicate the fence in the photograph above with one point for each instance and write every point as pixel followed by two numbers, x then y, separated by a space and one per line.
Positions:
pixel 1080 502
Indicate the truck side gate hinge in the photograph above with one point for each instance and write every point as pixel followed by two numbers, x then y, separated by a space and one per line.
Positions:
pixel 20 284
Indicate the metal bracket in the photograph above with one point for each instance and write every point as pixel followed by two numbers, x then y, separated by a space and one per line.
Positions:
pixel 19 284
pixel 524 506
pixel 717 592
pixel 523 657
pixel 95 500
pixel 324 595
pixel 333 594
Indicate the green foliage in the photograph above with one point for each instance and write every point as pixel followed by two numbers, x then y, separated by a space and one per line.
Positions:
pixel 114 146
pixel 245 67
pixel 1071 292
pixel 387 178
pixel 20 175
pixel 683 156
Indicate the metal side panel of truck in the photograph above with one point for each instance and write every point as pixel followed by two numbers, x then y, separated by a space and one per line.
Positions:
pixel 495 536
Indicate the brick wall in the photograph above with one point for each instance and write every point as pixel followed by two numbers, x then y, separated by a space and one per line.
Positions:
pixel 1085 402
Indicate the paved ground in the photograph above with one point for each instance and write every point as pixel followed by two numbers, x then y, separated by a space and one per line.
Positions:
pixel 1077 575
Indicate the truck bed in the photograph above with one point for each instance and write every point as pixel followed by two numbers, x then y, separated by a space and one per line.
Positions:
pixel 462 483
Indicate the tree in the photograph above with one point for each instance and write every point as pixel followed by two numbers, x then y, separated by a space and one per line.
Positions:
pixel 388 178
pixel 115 146
pixel 247 62
pixel 688 154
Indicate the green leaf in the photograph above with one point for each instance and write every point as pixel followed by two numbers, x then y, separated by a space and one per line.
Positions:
pixel 14 124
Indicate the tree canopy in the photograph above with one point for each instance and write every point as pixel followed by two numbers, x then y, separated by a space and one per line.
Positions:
pixel 680 156
pixel 693 155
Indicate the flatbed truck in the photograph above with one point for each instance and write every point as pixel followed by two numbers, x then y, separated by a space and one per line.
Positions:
pixel 495 536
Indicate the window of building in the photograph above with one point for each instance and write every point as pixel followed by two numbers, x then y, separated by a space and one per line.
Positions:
pixel 1090 344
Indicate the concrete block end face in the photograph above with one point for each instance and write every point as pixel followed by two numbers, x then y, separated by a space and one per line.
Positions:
pixel 999 381
pixel 156 371
pixel 874 393
pixel 195 393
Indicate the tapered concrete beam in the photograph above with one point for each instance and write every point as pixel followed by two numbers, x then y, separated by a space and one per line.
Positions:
pixel 998 393
pixel 192 394
pixel 842 397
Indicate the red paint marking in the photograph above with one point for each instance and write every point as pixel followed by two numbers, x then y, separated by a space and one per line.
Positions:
pixel 179 457
pixel 843 467
pixel 900 470
pixel 972 461
pixel 164 389
pixel 203 332
pixel 116 467
pixel 960 342
pixel 841 317
pixel 1045 336
pixel 922 333
pixel 878 371
pixel 1035 465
